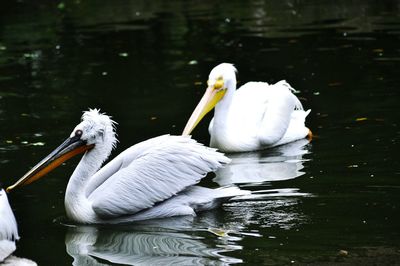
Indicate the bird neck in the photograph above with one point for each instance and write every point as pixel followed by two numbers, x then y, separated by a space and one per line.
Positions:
pixel 77 205
pixel 223 107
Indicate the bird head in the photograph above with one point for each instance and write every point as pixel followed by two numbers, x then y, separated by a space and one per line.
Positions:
pixel 95 130
pixel 221 79
pixel 221 76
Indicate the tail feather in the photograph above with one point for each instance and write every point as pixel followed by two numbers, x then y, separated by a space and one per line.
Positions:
pixel 212 198
pixel 298 105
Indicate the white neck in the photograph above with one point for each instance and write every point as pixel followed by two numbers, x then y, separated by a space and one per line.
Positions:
pixel 222 110
pixel 77 205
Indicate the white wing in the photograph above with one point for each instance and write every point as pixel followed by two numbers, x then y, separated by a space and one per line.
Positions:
pixel 7 247
pixel 296 129
pixel 276 119
pixel 8 227
pixel 16 261
pixel 148 173
pixel 188 202
pixel 270 110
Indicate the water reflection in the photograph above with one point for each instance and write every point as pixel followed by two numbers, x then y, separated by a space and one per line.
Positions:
pixel 267 206
pixel 281 163
pixel 158 242
pixel 13 260
pixel 277 212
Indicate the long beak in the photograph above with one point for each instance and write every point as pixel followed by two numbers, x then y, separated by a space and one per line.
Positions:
pixel 210 98
pixel 68 149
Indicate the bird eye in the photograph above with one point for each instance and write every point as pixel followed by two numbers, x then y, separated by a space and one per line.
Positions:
pixel 78 133
pixel 219 84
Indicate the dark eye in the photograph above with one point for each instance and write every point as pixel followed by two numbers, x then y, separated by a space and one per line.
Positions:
pixel 78 133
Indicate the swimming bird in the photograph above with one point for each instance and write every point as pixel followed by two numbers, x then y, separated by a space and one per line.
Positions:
pixel 8 227
pixel 152 179
pixel 254 117
pixel 9 234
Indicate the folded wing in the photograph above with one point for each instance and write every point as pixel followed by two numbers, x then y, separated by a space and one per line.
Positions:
pixel 8 228
pixel 149 173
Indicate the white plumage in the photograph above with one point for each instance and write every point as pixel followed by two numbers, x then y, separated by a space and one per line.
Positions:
pixel 254 117
pixel 8 228
pixel 9 235
pixel 152 179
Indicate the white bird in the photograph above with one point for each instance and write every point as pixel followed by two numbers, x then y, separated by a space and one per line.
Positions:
pixel 9 234
pixel 254 117
pixel 152 179
pixel 8 227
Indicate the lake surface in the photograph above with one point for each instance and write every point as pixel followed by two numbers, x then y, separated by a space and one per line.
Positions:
pixel 146 64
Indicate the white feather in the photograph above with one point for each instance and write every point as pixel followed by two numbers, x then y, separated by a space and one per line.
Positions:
pixel 8 224
pixel 256 116
pixel 8 227
pixel 159 169
pixel 152 179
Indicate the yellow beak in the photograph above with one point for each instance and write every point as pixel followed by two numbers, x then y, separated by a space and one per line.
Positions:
pixel 210 98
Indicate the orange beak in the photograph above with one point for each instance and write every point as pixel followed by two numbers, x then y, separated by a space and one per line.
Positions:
pixel 68 149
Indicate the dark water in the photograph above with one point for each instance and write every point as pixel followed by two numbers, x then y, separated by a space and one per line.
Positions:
pixel 146 63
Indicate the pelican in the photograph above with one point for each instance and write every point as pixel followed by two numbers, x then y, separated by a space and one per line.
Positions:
pixel 254 117
pixel 152 179
pixel 8 228
pixel 9 234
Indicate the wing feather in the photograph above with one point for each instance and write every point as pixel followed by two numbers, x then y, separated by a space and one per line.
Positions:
pixel 151 172
pixel 277 114
pixel 8 224
pixel 189 201
pixel 8 228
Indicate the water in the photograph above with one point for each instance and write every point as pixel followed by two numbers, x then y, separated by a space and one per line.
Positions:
pixel 146 65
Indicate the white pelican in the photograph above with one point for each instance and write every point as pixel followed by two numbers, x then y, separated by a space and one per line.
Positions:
pixel 9 234
pixel 8 228
pixel 152 179
pixel 254 117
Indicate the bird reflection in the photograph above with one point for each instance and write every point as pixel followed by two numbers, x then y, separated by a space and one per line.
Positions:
pixel 206 239
pixel 281 163
pixel 267 206
pixel 156 242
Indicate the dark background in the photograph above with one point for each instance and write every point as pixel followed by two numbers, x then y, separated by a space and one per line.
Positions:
pixel 146 63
